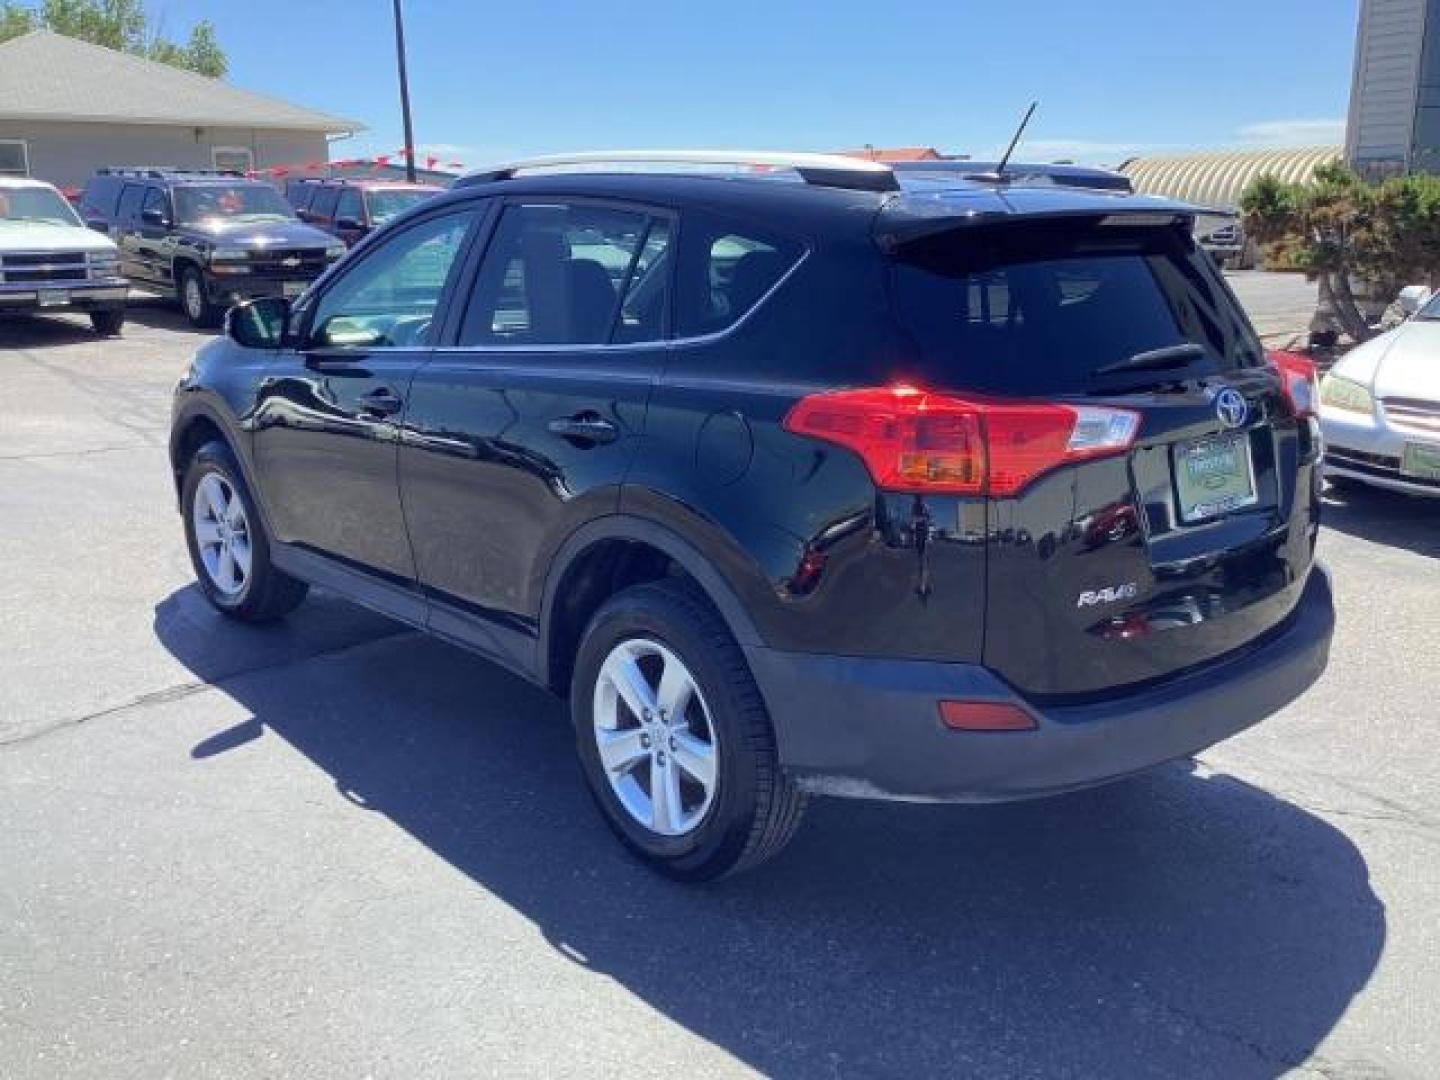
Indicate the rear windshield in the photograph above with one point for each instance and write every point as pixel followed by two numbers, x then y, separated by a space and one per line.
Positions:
pixel 1036 309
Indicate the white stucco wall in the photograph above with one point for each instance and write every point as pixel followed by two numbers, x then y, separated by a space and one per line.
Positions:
pixel 67 154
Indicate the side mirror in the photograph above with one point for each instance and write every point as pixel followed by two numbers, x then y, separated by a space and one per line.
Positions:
pixel 349 224
pixel 155 218
pixel 258 324
pixel 1413 298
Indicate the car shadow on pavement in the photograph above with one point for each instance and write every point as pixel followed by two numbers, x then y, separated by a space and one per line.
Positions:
pixel 40 331
pixel 1175 924
pixel 162 313
pixel 1385 517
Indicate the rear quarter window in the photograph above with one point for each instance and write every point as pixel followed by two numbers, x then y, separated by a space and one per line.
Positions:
pixel 102 195
pixel 1035 309
pixel 725 270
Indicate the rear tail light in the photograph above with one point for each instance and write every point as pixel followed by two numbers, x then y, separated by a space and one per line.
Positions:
pixel 1298 380
pixel 916 441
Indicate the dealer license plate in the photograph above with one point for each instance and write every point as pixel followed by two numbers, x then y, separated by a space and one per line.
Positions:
pixel 53 298
pixel 1421 460
pixel 1214 476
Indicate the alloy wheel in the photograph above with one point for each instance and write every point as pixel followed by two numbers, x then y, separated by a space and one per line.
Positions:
pixel 656 739
pixel 222 534
pixel 194 298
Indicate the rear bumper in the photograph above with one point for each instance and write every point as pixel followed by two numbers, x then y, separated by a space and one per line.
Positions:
pixel 871 728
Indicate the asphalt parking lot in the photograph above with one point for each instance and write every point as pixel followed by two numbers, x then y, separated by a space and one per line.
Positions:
pixel 334 848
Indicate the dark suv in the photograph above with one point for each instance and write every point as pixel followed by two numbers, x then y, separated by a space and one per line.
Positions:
pixel 792 479
pixel 352 209
pixel 211 239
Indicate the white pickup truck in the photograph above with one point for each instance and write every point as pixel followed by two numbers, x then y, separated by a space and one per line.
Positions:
pixel 50 262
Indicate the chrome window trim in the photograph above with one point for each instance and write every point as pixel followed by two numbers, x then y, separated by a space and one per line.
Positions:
pixel 665 343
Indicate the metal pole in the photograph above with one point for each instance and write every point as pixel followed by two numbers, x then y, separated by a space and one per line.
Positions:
pixel 404 94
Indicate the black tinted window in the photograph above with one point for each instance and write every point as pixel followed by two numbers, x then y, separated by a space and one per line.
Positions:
pixel 130 200
pixel 555 274
pixel 300 195
pixel 102 195
pixel 1035 310
pixel 349 205
pixel 155 200
pixel 725 270
pixel 323 205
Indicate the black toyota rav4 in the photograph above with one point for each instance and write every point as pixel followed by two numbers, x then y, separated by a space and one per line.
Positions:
pixel 793 476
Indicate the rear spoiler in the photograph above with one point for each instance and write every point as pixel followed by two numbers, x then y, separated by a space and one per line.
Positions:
pixel 918 221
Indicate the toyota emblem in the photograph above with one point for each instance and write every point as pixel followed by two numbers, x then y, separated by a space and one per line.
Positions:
pixel 1232 408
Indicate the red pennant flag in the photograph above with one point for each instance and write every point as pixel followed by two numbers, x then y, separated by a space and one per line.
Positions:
pixel 430 162
pixel 312 166
pixel 383 159
pixel 279 170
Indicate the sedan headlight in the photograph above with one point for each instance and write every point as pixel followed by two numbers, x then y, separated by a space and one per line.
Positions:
pixel 1347 394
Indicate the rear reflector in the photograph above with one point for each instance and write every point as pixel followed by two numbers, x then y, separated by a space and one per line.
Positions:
pixel 985 716
pixel 915 441
pixel 1298 379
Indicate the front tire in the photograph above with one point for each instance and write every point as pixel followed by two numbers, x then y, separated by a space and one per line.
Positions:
pixel 195 300
pixel 108 323
pixel 228 546
pixel 674 738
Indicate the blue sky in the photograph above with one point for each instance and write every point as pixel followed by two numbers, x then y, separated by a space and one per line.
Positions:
pixel 491 80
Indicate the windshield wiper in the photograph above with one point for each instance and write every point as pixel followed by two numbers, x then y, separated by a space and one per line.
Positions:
pixel 1166 359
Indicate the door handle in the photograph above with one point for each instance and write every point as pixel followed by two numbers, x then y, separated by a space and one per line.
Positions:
pixel 382 402
pixel 584 429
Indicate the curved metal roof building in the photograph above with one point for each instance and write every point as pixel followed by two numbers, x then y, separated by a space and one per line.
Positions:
pixel 1218 179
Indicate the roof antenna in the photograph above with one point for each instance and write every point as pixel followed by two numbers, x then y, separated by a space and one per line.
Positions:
pixel 998 176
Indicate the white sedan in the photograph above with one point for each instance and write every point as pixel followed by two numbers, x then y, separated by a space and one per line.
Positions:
pixel 1380 407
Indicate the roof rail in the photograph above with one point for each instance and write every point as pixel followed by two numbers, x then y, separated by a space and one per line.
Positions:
pixel 827 170
pixel 159 172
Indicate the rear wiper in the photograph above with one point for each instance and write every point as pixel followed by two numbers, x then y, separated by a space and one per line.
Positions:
pixel 1166 359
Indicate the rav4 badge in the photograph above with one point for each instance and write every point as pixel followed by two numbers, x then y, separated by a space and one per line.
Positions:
pixel 1115 593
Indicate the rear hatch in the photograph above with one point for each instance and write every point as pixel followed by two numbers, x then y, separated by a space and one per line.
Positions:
pixel 1191 540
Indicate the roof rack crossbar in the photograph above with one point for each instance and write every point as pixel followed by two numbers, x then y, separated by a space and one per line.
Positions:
pixel 827 170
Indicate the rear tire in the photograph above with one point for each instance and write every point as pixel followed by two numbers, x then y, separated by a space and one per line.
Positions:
pixel 228 546
pixel 195 301
pixel 108 323
pixel 669 635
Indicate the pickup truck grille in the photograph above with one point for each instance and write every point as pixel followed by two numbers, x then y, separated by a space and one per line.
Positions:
pixel 311 263
pixel 1413 414
pixel 43 268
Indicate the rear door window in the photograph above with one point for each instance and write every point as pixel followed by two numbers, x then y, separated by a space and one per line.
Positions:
pixel 1028 310
pixel 349 205
pixel 559 274
pixel 130 200
pixel 323 205
pixel 102 194
pixel 725 270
